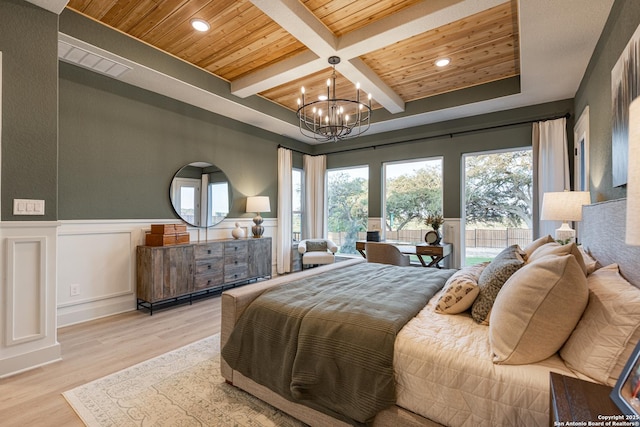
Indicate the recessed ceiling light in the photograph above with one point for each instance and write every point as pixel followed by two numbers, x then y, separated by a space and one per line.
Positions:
pixel 442 62
pixel 200 25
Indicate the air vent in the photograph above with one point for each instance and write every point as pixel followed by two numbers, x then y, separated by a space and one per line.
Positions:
pixel 86 59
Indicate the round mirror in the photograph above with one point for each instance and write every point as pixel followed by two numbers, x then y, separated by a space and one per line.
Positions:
pixel 200 194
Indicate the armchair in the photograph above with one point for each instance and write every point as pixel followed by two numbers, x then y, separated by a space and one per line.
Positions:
pixel 317 251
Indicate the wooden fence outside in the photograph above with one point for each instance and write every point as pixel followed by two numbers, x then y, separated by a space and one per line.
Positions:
pixel 478 238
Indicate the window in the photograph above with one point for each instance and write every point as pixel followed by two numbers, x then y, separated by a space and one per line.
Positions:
pixel 347 207
pixel 186 199
pixel 296 204
pixel 218 202
pixel 497 203
pixel 412 190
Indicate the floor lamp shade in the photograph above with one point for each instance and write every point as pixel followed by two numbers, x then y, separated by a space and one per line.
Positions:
pixel 258 204
pixel 633 176
pixel 564 206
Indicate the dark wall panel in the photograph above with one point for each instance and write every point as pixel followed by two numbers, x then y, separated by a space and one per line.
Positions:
pixel 120 147
pixel 28 42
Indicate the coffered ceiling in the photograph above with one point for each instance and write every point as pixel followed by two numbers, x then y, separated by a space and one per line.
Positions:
pixel 270 48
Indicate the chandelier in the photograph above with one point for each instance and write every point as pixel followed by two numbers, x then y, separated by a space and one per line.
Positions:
pixel 333 119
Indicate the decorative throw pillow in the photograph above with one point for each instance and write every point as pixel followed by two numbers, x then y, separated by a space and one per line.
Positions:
pixel 460 290
pixel 607 326
pixel 316 246
pixel 491 280
pixel 531 247
pixel 537 309
pixel 558 249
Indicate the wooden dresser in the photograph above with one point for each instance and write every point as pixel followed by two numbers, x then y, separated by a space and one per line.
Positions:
pixel 180 273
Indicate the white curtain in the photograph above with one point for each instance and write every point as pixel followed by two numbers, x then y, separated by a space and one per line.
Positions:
pixel 285 234
pixel 314 170
pixel 551 162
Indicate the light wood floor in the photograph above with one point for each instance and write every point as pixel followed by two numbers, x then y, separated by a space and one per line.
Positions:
pixel 94 349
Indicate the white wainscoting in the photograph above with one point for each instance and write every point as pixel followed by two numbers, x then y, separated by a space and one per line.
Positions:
pixel 98 260
pixel 451 234
pixel 28 308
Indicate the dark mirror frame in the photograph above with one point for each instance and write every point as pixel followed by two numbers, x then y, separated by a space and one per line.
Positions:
pixel 204 208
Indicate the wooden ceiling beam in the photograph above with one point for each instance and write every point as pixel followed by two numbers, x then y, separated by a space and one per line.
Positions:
pixel 277 74
pixel 407 23
pixel 298 21
pixel 309 30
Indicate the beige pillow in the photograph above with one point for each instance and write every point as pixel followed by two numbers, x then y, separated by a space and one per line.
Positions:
pixel 558 249
pixel 537 309
pixel 460 290
pixel 589 261
pixel 493 278
pixel 604 333
pixel 531 247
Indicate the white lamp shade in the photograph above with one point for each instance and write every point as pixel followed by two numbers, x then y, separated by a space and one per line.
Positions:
pixel 633 176
pixel 258 204
pixel 564 205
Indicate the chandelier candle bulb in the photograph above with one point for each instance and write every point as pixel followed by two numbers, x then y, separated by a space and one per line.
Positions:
pixel 336 123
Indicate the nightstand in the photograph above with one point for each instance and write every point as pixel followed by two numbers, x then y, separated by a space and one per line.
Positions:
pixel 573 399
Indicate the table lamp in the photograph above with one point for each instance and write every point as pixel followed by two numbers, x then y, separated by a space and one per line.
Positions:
pixel 564 206
pixel 258 204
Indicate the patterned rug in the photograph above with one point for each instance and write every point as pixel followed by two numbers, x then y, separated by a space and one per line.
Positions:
pixel 181 388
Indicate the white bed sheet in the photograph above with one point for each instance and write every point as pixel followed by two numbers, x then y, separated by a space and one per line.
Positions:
pixel 444 372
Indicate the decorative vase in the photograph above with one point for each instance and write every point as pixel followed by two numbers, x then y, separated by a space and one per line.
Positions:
pixel 237 233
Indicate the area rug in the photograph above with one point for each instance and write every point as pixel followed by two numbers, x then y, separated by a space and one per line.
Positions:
pixel 181 388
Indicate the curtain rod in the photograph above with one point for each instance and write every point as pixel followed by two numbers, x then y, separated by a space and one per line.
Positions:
pixel 442 135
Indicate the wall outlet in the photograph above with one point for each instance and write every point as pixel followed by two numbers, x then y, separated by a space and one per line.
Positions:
pixel 74 290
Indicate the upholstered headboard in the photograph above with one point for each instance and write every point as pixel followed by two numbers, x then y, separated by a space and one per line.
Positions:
pixel 602 233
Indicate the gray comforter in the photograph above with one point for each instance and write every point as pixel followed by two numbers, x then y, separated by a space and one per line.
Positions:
pixel 327 341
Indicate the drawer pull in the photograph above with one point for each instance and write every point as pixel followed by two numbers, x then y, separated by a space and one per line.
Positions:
pixel 209 282
pixel 209 251
pixel 235 262
pixel 209 266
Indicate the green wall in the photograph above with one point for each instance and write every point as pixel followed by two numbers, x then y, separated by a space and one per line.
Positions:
pixel 120 147
pixel 595 92
pixel 29 46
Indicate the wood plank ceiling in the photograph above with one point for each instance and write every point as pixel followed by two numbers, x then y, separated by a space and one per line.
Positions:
pixel 245 43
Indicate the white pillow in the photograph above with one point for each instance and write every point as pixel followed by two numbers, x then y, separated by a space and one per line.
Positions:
pixel 460 290
pixel 536 310
pixel 605 331
pixel 558 249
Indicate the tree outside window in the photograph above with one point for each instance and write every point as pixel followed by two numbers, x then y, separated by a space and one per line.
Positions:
pixel 498 202
pixel 347 206
pixel 413 190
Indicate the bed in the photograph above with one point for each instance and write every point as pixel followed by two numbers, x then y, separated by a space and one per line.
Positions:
pixel 448 367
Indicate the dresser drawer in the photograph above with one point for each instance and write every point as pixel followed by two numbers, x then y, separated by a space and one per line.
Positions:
pixel 209 266
pixel 209 250
pixel 236 249
pixel 235 272
pixel 205 281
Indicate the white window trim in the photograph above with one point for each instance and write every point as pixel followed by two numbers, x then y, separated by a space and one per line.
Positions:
pixel 581 132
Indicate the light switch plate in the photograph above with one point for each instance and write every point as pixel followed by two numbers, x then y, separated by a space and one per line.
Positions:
pixel 28 207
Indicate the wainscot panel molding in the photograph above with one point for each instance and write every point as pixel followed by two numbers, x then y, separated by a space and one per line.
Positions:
pixel 451 234
pixel 28 310
pixel 97 262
